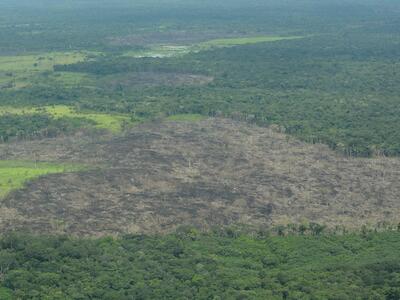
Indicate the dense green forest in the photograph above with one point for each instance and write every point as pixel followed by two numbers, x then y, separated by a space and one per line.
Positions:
pixel 224 264
pixel 31 126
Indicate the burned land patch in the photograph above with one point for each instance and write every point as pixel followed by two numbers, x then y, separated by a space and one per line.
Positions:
pixel 213 172
pixel 126 80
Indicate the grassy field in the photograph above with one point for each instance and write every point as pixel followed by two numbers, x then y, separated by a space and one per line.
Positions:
pixel 161 51
pixel 14 174
pixel 111 122
pixel 40 62
pixel 229 42
pixel 19 71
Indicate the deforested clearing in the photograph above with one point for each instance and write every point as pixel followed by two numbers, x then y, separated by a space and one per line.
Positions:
pixel 199 173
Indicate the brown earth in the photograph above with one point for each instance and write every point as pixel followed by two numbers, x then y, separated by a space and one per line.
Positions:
pixel 213 172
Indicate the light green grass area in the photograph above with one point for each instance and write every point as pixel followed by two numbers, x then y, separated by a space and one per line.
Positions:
pixel 159 51
pixel 40 62
pixel 19 71
pixel 245 40
pixel 14 174
pixel 111 122
pixel 186 117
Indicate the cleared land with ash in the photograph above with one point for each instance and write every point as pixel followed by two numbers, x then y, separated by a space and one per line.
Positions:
pixel 212 172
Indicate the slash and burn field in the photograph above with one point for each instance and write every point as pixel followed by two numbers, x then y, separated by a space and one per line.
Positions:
pixel 206 173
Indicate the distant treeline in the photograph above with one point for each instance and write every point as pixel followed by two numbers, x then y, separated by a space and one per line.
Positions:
pixel 32 26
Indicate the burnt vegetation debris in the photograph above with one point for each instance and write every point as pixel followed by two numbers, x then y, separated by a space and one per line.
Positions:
pixel 205 173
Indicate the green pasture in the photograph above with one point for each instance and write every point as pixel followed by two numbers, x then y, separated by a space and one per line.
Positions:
pixel 39 62
pixel 20 70
pixel 229 42
pixel 159 51
pixel 14 174
pixel 162 51
pixel 111 122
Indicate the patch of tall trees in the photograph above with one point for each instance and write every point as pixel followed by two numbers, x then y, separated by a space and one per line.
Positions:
pixel 223 264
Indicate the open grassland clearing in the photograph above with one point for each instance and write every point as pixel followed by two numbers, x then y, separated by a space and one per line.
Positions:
pixel 111 122
pixel 230 42
pixel 159 51
pixel 162 51
pixel 14 174
pixel 21 70
pixel 39 62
